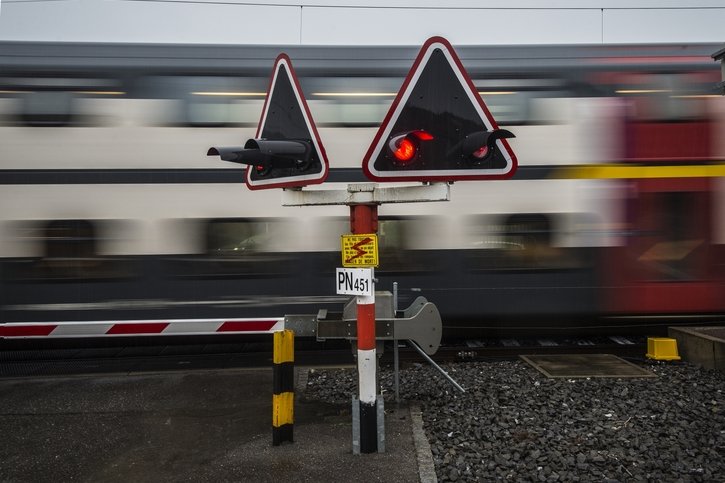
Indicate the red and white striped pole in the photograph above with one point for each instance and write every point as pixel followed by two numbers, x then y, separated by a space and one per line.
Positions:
pixel 126 328
pixel 363 220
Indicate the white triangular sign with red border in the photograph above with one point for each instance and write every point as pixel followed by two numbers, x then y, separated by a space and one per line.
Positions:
pixel 285 115
pixel 438 98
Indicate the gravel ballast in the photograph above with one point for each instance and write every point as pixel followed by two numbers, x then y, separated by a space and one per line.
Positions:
pixel 515 424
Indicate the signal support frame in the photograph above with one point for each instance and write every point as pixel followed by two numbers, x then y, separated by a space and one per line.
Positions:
pixel 367 194
pixel 363 200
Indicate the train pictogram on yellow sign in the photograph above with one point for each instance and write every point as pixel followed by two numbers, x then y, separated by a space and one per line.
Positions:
pixel 360 250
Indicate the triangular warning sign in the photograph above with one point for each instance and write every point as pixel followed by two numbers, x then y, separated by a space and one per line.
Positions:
pixel 438 127
pixel 286 116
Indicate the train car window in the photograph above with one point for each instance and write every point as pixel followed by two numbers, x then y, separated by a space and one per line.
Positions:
pixel 515 102
pixel 10 106
pixel 667 96
pixel 522 241
pixel 70 251
pixel 220 101
pixel 392 233
pixel 345 112
pixel 240 247
pixel 413 244
pixel 350 101
pixel 672 242
pixel 48 108
pixel 509 108
pixel 75 239
pixel 394 251
pixel 528 231
pixel 239 237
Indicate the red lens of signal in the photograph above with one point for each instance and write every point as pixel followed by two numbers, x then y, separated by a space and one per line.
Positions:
pixel 481 152
pixel 405 146
pixel 405 150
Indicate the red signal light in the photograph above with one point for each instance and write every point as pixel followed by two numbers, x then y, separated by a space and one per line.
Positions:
pixel 481 152
pixel 405 150
pixel 261 169
pixel 405 146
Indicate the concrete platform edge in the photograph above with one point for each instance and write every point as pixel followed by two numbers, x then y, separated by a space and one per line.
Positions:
pixel 426 468
pixel 699 348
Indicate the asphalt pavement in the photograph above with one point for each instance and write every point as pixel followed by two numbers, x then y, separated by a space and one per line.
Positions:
pixel 200 425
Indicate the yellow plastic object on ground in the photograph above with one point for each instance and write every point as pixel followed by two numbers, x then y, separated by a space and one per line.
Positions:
pixel 662 349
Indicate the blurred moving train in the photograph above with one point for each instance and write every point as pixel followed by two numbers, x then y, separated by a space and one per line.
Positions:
pixel 111 210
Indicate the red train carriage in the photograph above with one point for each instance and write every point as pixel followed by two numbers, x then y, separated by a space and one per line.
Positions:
pixel 667 261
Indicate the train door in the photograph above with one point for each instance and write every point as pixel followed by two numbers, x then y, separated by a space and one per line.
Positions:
pixel 666 262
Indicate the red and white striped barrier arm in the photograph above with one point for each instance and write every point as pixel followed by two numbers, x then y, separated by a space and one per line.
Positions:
pixel 121 328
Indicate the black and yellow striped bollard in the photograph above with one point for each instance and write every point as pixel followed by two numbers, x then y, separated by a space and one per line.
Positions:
pixel 283 400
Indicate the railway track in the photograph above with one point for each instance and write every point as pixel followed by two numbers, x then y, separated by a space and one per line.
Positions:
pixel 28 362
pixel 481 349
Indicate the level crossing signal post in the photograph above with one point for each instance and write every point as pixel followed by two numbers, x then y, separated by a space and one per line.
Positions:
pixel 363 220
pixel 438 130
pixel 363 200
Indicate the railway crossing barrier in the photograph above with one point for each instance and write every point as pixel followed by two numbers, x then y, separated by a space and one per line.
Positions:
pixel 131 328
pixel 420 324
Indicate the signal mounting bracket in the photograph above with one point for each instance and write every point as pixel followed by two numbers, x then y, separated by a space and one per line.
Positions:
pixel 367 194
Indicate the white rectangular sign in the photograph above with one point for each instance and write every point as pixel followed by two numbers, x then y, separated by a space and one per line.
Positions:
pixel 355 281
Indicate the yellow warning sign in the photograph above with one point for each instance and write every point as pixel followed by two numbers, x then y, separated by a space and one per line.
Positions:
pixel 360 250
